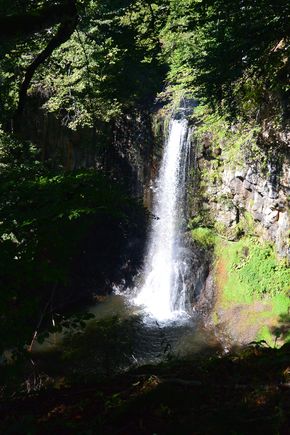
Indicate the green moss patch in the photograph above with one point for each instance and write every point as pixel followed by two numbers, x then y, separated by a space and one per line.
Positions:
pixel 204 236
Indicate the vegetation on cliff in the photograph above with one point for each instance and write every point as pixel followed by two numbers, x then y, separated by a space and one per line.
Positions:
pixel 253 293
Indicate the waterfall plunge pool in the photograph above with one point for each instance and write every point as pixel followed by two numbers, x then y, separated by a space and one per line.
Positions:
pixel 119 337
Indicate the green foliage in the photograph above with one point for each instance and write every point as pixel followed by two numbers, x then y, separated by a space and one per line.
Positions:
pixel 246 225
pixel 235 141
pixel 234 57
pixel 254 275
pixel 253 290
pixel 266 336
pixel 229 54
pixel 109 65
pixel 257 268
pixel 42 209
pixel 204 236
pixel 44 217
pixel 14 153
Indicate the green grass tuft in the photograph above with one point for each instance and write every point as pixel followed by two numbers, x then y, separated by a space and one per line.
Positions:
pixel 204 236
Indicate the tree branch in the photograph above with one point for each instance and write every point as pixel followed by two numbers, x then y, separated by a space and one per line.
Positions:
pixel 63 33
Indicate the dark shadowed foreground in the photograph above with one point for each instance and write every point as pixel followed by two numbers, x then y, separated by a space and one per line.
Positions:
pixel 241 393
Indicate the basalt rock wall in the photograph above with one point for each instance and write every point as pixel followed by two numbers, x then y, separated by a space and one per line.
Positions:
pixel 123 147
pixel 264 197
pixel 252 188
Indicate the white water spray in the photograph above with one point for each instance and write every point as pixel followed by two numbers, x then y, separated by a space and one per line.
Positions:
pixel 163 294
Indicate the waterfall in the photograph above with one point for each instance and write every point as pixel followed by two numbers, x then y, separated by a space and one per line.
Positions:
pixel 163 294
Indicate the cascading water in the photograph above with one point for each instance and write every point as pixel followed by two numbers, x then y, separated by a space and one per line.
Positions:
pixel 163 294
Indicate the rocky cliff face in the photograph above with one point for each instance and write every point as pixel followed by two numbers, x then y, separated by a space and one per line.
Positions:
pixel 252 189
pixel 123 148
pixel 264 197
pixel 241 189
pixel 129 153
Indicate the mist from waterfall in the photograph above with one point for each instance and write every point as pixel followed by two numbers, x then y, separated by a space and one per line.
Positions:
pixel 163 294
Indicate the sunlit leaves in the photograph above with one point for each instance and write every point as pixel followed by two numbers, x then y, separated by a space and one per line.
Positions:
pixel 213 44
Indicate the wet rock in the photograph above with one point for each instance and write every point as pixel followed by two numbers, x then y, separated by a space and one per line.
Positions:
pixel 198 260
pixel 204 301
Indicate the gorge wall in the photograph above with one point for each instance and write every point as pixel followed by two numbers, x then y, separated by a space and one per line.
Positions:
pixel 123 147
pixel 248 189
pixel 240 214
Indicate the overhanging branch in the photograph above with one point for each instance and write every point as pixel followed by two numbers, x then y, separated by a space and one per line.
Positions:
pixel 63 33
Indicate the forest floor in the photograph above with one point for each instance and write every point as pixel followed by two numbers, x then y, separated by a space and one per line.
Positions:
pixel 242 393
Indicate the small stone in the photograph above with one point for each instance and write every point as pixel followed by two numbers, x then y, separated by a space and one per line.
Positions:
pixel 205 206
pixel 258 202
pixel 280 206
pixel 217 152
pixel 272 216
pixel 228 176
pixel 227 217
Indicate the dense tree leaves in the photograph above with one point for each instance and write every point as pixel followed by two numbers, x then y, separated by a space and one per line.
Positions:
pixel 218 49
pixel 110 63
pixel 117 56
pixel 44 219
